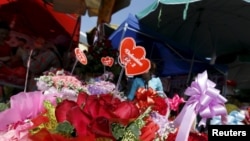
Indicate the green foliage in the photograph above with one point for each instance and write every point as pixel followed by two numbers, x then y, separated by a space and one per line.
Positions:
pixel 130 132
pixel 65 128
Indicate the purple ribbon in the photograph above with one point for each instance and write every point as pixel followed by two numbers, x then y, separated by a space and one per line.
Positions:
pixel 204 100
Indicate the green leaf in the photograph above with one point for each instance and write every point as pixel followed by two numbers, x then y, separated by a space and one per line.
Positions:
pixel 118 130
pixel 134 129
pixel 65 128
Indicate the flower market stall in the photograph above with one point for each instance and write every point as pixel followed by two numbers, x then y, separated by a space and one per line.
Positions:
pixel 68 108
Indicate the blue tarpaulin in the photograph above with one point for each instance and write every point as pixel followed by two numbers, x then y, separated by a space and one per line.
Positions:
pixel 171 58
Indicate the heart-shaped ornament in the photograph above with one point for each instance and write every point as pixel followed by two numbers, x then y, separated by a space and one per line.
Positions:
pixel 133 57
pixel 81 57
pixel 107 61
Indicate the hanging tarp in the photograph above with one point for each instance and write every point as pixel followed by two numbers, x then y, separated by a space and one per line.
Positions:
pixel 171 58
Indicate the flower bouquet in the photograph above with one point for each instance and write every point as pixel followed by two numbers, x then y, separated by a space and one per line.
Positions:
pixel 37 116
pixel 60 82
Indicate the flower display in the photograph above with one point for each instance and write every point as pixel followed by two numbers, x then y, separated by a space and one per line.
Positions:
pixel 60 82
pixel 101 87
pixel 101 115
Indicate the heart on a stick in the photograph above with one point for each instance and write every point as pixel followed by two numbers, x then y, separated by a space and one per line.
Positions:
pixel 107 61
pixel 133 57
pixel 81 57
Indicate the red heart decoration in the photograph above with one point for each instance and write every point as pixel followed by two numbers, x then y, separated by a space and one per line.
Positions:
pixel 107 61
pixel 81 57
pixel 133 57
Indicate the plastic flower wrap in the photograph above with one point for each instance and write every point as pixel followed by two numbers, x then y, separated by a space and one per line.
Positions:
pixel 18 131
pixel 17 120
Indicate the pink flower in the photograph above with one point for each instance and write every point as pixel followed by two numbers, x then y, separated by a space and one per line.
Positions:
pixel 67 80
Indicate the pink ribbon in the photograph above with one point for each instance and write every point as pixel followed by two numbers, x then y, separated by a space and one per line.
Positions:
pixel 204 100
pixel 175 102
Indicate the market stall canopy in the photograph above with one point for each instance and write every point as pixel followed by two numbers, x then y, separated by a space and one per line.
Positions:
pixel 171 57
pixel 218 29
pixel 103 9
pixel 211 28
pixel 33 18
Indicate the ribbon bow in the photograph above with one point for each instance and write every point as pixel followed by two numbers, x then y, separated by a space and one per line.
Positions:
pixel 234 118
pixel 207 100
pixel 175 102
pixel 145 97
pixel 204 100
pixel 149 97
